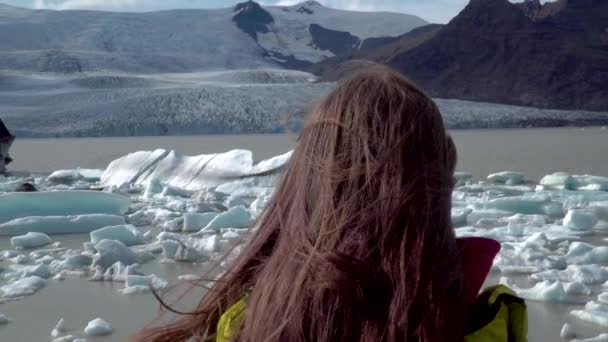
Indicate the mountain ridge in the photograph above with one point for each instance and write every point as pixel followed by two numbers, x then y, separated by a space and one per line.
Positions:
pixel 555 56
pixel 244 36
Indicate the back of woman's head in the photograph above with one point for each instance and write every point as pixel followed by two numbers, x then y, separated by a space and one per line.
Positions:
pixel 356 243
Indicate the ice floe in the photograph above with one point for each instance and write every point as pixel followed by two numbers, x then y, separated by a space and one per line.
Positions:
pixel 98 327
pixel 60 224
pixel 127 234
pixel 30 240
pixel 60 203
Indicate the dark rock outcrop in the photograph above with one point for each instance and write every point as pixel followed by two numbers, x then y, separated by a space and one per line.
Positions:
pixel 337 42
pixel 26 187
pixel 251 18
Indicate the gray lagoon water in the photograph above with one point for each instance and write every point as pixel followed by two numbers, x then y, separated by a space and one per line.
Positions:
pixel 534 151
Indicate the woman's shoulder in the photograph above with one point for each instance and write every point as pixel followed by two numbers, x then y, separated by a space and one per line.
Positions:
pixel 498 315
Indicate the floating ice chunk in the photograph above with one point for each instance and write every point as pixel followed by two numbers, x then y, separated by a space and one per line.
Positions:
pixel 64 176
pixel 580 220
pixel 60 203
pixel 546 291
pixel 171 191
pixel 528 204
pixel 599 209
pixel 59 329
pixel 177 205
pixel 567 332
pixel 4 319
pixel 558 180
pixel 236 217
pixel 577 289
pixel 177 250
pixel 459 216
pixel 231 235
pixel 584 253
pixel 142 284
pixel 194 221
pixel 207 245
pixel 478 214
pixel 22 287
pixel 73 262
pixel 117 272
pixel 586 274
pixel 189 277
pixel 516 229
pixel 260 203
pixel 153 188
pixel 127 234
pixel 168 236
pixel 594 312
pixel 536 241
pixel 41 271
pixel 71 176
pixel 185 172
pixel 598 338
pixel 603 297
pixel 233 201
pixel 591 183
pixel 111 251
pixel 30 240
pixel 462 178
pixel 60 224
pixel 98 327
pixel 507 177
pixel 66 338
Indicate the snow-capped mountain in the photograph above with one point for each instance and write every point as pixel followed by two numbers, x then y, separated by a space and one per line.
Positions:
pixel 245 36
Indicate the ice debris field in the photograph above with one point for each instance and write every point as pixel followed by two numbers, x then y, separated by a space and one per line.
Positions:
pixel 161 206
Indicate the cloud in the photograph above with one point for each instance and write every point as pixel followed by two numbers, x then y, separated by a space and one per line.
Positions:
pixel 90 4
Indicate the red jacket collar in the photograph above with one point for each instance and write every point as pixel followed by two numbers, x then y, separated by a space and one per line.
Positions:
pixel 476 256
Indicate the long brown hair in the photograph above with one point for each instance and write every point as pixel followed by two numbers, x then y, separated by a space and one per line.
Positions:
pixel 356 243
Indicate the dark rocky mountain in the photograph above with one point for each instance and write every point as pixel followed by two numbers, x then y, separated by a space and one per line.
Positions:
pixel 550 56
pixel 252 18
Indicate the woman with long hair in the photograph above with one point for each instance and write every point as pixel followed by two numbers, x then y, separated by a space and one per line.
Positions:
pixel 356 243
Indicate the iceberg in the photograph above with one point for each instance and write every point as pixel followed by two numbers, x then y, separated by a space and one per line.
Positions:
pixel 117 272
pixel 4 319
pixel 23 287
pixel 586 274
pixel 60 224
pixel 98 327
pixel 110 252
pixel 127 234
pixel 71 176
pixel 194 222
pixel 235 217
pixel 190 173
pixel 30 240
pixel 567 331
pixel 179 251
pixel 546 291
pixel 60 203
pixel 142 284
pixel 558 181
pixel 598 338
pixel 59 328
pixel 527 204
pixel 580 220
pixel 594 312
pixel 507 177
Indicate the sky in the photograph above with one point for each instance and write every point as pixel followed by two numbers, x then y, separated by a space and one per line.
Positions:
pixel 436 11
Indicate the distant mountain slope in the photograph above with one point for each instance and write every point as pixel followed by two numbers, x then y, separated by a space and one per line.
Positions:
pixel 553 55
pixel 246 36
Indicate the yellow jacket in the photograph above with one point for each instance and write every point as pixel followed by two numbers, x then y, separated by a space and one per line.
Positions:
pixel 498 316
